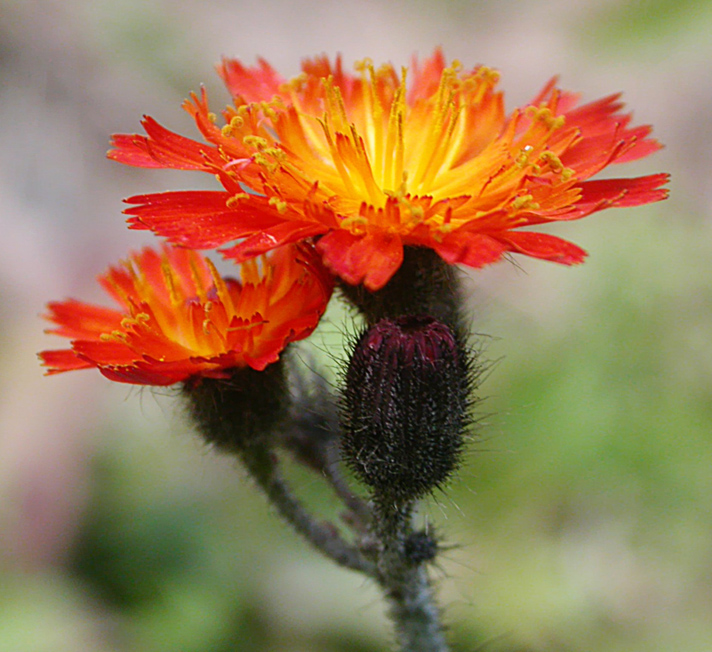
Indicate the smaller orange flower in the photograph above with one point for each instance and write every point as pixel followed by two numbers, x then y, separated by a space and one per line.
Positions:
pixel 179 318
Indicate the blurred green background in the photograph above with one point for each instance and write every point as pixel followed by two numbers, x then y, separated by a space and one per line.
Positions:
pixel 582 520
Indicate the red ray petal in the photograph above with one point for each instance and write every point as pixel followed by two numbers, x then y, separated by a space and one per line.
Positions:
pixel 162 148
pixel 79 320
pixel 371 259
pixel 544 246
pixel 264 241
pixel 65 360
pixel 256 84
pixel 606 193
pixel 200 218
pixel 472 249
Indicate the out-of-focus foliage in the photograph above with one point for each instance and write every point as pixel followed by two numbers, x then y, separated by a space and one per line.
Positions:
pixel 582 520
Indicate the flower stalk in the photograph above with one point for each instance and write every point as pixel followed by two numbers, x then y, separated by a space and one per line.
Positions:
pixel 262 466
pixel 405 582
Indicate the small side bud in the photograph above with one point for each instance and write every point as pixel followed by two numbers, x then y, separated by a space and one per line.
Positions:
pixel 420 547
pixel 242 409
pixel 405 406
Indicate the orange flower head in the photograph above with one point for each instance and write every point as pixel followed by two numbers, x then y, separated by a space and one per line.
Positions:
pixel 367 163
pixel 180 319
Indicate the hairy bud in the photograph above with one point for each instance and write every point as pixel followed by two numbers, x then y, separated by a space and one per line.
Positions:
pixel 242 409
pixel 405 406
pixel 424 284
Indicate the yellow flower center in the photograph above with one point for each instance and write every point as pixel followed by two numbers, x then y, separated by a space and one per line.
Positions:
pixel 375 144
pixel 385 156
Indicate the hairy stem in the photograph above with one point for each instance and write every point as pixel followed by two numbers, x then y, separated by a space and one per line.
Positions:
pixel 406 584
pixel 262 465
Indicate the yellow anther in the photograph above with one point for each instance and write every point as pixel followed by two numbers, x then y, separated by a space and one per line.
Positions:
pixel 236 199
pixel 365 65
pixel 257 142
pixel 279 204
pixel 267 162
pixel 553 160
pixel 206 326
pixel 524 202
pixel 522 159
pixel 298 82
pixel 212 117
pixel 488 75
pixel 233 128
pixel 356 224
pixel 446 228
pixel 127 323
pixel 269 112
pixel 545 116
pixel 275 153
pixel 276 102
pixel 114 336
pixel 555 165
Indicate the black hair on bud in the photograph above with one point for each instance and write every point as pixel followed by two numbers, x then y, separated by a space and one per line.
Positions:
pixel 420 547
pixel 423 284
pixel 406 403
pixel 239 410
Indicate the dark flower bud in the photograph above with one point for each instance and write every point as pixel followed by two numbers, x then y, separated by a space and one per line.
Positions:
pixel 405 406
pixel 244 408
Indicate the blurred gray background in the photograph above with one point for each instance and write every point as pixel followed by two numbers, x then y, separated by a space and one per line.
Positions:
pixel 582 520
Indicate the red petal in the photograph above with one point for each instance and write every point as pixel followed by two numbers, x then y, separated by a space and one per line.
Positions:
pixel 371 259
pixel 150 375
pixel 641 146
pixel 105 352
pixel 162 148
pixel 264 241
pixel 607 193
pixel 425 80
pixel 251 84
pixel 77 320
pixel 65 360
pixel 544 246
pixel 200 219
pixel 472 249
